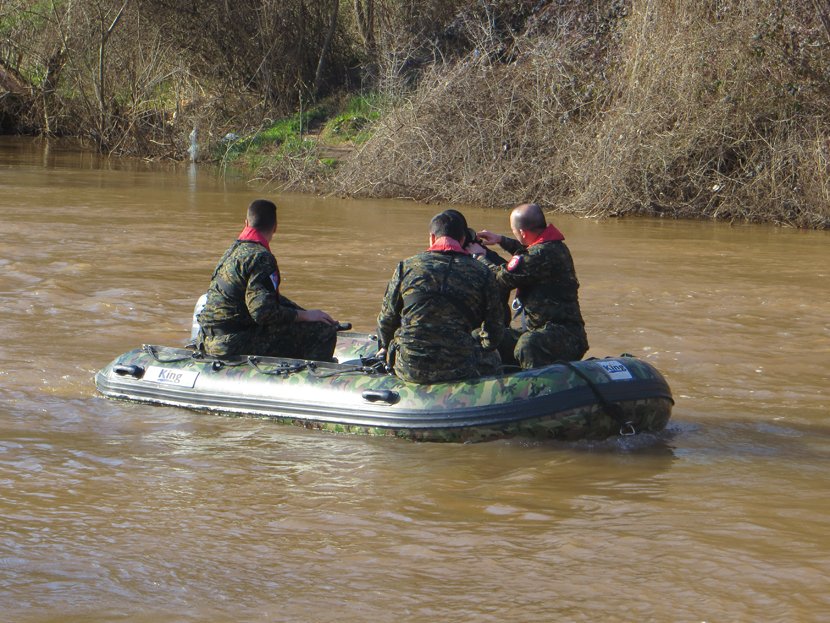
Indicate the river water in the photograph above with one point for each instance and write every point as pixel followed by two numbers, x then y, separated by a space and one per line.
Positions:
pixel 113 511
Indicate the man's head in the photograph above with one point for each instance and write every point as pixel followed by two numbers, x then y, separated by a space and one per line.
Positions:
pixel 262 216
pixel 527 221
pixel 445 224
pixel 469 234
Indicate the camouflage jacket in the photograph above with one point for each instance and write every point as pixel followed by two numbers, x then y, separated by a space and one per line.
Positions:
pixel 544 278
pixel 243 291
pixel 432 304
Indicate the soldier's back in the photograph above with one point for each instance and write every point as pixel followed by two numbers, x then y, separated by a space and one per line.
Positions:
pixel 443 301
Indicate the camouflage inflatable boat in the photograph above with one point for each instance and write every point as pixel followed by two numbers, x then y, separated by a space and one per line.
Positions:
pixel 595 398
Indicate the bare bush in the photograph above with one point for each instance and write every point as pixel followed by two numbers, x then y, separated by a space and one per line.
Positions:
pixel 487 131
pixel 672 108
pixel 298 169
pixel 276 48
pixel 709 118
pixel 96 71
pixel 136 76
pixel 712 109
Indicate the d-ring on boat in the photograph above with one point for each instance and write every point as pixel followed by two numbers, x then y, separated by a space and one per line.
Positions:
pixel 594 398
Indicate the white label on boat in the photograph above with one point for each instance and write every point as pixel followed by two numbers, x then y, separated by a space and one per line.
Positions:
pixel 171 376
pixel 616 370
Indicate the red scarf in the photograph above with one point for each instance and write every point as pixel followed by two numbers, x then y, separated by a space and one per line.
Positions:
pixel 445 243
pixel 249 234
pixel 549 234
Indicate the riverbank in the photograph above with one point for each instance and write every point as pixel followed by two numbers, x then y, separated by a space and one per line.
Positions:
pixel 621 108
pixel 637 111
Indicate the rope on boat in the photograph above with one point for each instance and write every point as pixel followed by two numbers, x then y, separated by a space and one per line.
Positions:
pixel 313 369
pixel 151 350
pixel 282 368
pixel 336 372
pixel 369 366
pixel 612 409
pixel 215 362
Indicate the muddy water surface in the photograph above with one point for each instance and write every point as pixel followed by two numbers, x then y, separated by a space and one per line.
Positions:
pixel 114 511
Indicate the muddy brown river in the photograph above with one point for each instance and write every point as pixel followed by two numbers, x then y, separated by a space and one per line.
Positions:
pixel 114 511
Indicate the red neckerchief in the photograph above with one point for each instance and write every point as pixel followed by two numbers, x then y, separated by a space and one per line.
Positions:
pixel 550 234
pixel 249 234
pixel 445 243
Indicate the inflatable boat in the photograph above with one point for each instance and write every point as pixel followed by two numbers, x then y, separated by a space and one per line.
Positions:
pixel 594 398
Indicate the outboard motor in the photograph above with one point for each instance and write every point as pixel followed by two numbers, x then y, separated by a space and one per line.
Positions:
pixel 194 327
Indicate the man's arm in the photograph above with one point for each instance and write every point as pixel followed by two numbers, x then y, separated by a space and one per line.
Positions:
pixel 521 271
pixel 506 243
pixel 511 246
pixel 306 315
pixel 314 315
pixel 389 318
pixel 261 296
pixel 494 325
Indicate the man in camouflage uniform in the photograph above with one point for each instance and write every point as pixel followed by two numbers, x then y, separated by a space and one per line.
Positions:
pixel 433 303
pixel 471 237
pixel 245 314
pixel 542 273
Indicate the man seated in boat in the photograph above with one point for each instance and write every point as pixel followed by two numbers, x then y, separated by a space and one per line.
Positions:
pixel 433 303
pixel 245 314
pixel 543 275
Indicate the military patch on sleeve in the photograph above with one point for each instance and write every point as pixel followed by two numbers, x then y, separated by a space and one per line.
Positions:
pixel 514 263
pixel 275 279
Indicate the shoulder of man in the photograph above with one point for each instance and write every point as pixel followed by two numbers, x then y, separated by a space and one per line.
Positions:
pixel 256 253
pixel 472 264
pixel 526 259
pixel 250 260
pixel 515 263
pixel 547 245
pixel 550 249
pixel 475 276
pixel 421 260
pixel 533 259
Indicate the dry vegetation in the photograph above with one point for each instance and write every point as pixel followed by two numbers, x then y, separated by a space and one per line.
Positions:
pixel 714 109
pixel 710 109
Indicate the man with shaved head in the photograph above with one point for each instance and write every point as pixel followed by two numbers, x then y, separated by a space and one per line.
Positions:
pixel 542 273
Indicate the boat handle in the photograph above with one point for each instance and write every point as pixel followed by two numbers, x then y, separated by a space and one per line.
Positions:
pixel 381 395
pixel 129 370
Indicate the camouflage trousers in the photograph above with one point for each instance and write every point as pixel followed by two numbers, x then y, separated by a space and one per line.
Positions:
pixel 544 346
pixel 416 370
pixel 299 340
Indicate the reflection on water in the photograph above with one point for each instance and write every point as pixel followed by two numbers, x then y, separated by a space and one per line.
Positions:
pixel 117 511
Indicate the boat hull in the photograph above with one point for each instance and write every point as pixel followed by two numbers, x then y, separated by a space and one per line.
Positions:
pixel 587 399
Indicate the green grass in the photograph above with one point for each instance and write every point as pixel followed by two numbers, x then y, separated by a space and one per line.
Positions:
pixel 283 133
pixel 352 123
pixel 347 122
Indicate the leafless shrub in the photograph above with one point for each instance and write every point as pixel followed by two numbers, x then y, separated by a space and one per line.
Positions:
pixel 674 108
pixel 483 130
pixel 300 169
pixel 136 76
pixel 712 118
pixel 713 109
